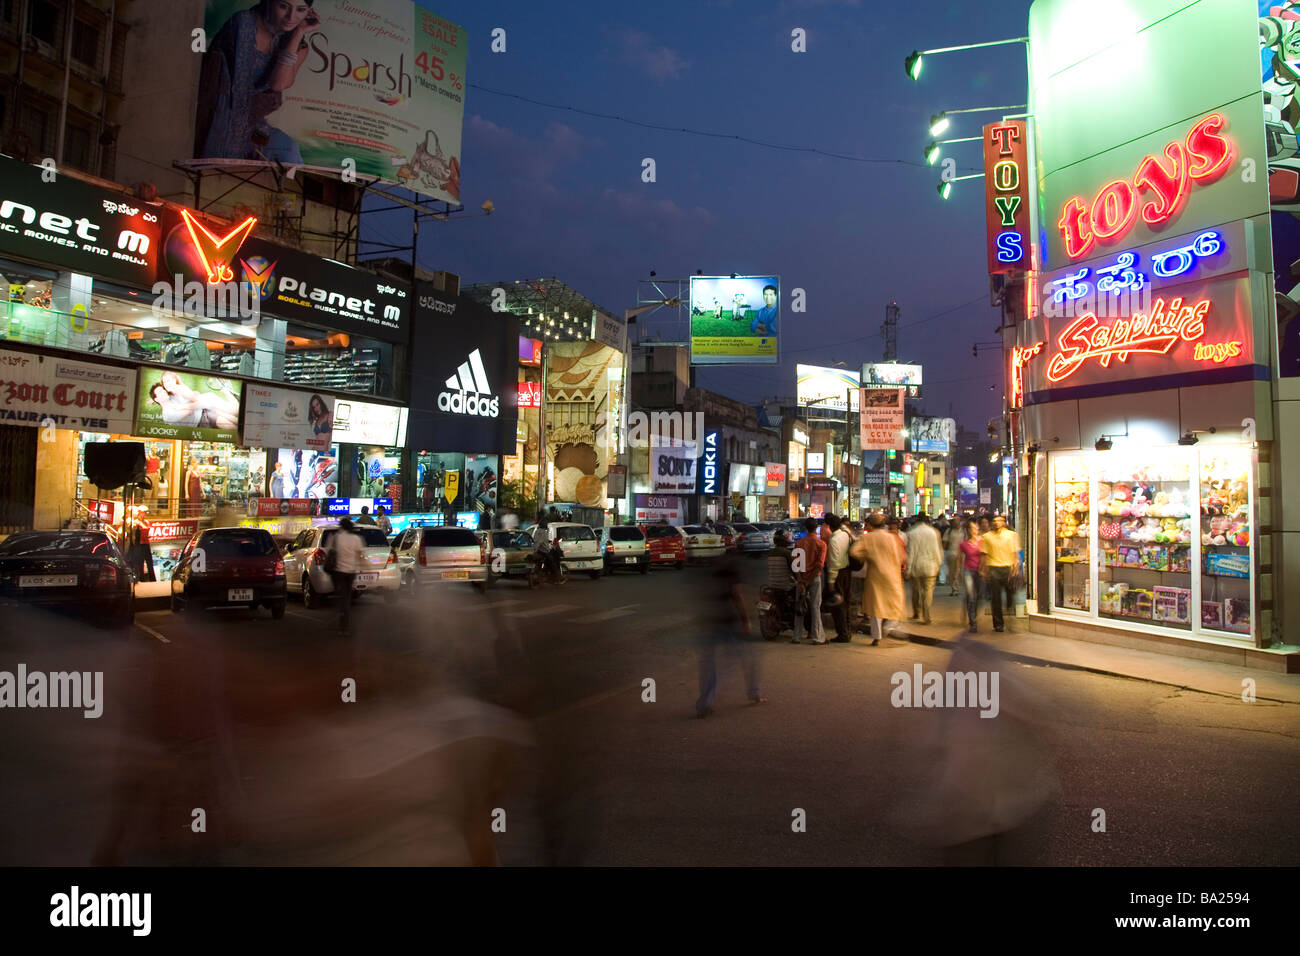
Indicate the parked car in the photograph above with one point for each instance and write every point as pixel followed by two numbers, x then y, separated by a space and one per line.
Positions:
pixel 304 564
pixel 517 549
pixel 665 544
pixel 623 546
pixel 227 567
pixel 750 539
pixel 702 544
pixel 79 571
pixel 580 550
pixel 429 555
pixel 728 534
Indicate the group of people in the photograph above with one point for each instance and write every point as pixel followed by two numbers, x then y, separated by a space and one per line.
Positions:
pixel 983 554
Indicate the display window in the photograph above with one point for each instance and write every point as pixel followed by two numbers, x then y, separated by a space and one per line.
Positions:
pixel 379 473
pixel 1171 532
pixel 160 461
pixel 224 473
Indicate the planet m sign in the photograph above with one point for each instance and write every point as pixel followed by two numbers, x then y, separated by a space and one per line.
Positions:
pixel 710 470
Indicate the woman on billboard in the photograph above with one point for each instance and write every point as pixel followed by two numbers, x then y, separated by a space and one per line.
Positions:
pixel 252 60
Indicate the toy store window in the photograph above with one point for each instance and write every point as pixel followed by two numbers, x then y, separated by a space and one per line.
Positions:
pixel 1145 503
pixel 1225 529
pixel 1072 532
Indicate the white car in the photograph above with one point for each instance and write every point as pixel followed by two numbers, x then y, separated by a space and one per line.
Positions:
pixel 304 564
pixel 579 546
pixel 702 544
pixel 624 547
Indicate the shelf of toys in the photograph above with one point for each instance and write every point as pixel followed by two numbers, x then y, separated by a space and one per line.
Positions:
pixel 1071 507
pixel 1225 531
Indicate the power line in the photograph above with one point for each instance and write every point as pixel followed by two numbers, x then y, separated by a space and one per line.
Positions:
pixel 700 132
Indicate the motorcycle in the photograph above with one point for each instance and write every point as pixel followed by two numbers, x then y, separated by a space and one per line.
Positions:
pixel 541 571
pixel 776 611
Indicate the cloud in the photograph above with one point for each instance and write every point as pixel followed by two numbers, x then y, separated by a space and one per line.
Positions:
pixel 644 212
pixel 529 161
pixel 655 60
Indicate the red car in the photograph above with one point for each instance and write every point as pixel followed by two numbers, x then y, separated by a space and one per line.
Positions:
pixel 665 545
pixel 230 567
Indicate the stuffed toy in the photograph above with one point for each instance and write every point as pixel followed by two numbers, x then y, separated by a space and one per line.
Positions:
pixel 1184 530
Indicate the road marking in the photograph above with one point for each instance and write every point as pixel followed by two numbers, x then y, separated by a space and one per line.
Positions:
pixel 539 611
pixel 149 630
pixel 609 615
pixel 305 617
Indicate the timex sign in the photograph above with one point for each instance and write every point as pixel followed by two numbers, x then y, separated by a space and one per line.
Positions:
pixel 77 226
pixel 710 466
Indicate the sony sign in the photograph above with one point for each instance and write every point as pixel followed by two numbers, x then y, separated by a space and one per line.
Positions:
pixel 710 469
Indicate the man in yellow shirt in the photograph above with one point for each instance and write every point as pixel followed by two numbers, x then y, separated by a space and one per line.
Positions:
pixel 999 563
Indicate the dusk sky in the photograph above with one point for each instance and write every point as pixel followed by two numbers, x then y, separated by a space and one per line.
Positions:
pixel 853 234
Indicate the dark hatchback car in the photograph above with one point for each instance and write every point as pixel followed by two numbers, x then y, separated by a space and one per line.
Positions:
pixel 229 567
pixel 80 571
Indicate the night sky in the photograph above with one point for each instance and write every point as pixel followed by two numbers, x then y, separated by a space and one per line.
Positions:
pixel 570 202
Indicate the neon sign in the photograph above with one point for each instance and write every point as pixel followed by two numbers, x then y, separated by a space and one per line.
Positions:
pixel 1006 197
pixel 212 251
pixel 1201 158
pixel 1156 332
pixel 1217 352
pixel 1123 275
pixel 1020 357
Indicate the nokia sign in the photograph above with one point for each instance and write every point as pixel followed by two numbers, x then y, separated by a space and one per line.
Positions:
pixel 710 471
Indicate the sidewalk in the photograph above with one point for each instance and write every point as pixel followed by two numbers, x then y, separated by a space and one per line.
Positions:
pixel 1020 643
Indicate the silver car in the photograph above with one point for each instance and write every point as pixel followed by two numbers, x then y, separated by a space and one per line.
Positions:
pixel 429 555
pixel 751 539
pixel 304 564
pixel 702 544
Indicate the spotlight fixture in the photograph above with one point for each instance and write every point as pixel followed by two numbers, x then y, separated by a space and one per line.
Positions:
pixel 1188 439
pixel 1033 448
pixel 1104 444
pixel 913 64
pixel 932 154
pixel 938 123
pixel 945 189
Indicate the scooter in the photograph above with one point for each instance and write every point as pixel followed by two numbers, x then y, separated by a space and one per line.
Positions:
pixel 776 610
pixel 540 570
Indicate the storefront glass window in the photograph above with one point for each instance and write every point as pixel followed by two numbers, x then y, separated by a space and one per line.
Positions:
pixel 1073 531
pixel 1226 534
pixel 216 474
pixel 379 473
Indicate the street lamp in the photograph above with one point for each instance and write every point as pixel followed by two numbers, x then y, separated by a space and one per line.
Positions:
pixel 933 150
pixel 938 123
pixel 945 187
pixel 915 60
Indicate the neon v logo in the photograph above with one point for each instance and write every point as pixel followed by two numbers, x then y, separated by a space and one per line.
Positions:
pixel 212 251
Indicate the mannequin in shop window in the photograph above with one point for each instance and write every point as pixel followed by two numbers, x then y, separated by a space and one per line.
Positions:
pixel 194 491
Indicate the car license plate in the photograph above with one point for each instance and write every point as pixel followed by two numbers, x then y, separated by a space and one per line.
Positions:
pixel 239 594
pixel 455 575
pixel 367 578
pixel 47 580
pixel 629 560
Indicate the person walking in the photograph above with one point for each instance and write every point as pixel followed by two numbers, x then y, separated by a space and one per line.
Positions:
pixel 727 626
pixel 809 559
pixel 924 557
pixel 382 522
pixel 999 565
pixel 365 518
pixel 349 551
pixel 969 550
pixel 882 597
pixel 952 553
pixel 838 581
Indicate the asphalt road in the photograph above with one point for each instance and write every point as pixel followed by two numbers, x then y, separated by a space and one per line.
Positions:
pixel 245 719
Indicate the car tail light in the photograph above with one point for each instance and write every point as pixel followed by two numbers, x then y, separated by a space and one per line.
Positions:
pixel 693 541
pixel 319 556
pixel 107 577
pixel 482 553
pixel 392 558
pixel 279 567
pixel 739 538
pixel 424 561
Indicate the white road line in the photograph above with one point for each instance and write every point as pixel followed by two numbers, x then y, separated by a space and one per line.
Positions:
pixel 149 630
pixel 539 611
pixel 609 615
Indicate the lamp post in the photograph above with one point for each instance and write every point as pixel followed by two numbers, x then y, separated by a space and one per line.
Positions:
pixel 915 60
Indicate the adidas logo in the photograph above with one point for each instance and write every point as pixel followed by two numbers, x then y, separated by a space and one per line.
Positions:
pixel 467 391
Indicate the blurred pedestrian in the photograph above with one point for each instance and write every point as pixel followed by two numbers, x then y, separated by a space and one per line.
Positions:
pixel 382 522
pixel 838 581
pixel 726 625
pixel 1000 566
pixel 349 557
pixel 969 549
pixel 924 558
pixel 952 540
pixel 882 598
pixel 809 559
pixel 365 518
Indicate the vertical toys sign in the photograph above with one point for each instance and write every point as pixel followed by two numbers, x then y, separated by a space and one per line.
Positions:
pixel 1006 196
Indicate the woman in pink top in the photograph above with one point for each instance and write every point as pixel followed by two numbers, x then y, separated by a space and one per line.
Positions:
pixel 970 565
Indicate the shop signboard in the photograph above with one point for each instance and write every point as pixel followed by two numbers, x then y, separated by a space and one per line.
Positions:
pixel 377 91
pixel 609 331
pixel 933 434
pixel 757 480
pixel 37 390
pixel 774 478
pixel 465 390
pixel 76 226
pixel 1006 196
pixel 651 509
pixel 283 507
pixel 890 375
pixel 882 419
pixel 734 320
pixel 709 467
pixel 896 478
pixel 187 405
pixel 823 387
pixel 164 530
pixel 617 481
pixel 283 418
pixel 530 394
pixel 674 469
pixel 1279 34
pixel 365 423
pixel 738 479
pixel 306 473
pixel 530 351
pixel 816 463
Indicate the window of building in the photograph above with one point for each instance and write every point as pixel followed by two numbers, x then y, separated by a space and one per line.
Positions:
pixel 85 43
pixel 38 125
pixel 43 21
pixel 76 147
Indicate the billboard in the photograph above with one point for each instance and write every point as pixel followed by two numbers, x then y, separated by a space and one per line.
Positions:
pixel 282 418
pixel 673 469
pixel 1006 196
pixel 892 375
pixel 734 321
pixel 882 419
pixel 822 387
pixel 933 434
pixel 35 389
pixel 709 469
pixel 660 509
pixel 365 423
pixel 774 478
pixel 187 405
pixel 1280 52
pixel 303 473
pixel 376 90
pixel 968 495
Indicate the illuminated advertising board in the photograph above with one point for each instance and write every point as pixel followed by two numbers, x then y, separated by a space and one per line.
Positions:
pixel 1006 196
pixel 709 468
pixel 933 434
pixel 1279 34
pixel 188 406
pixel 735 321
pixel 892 375
pixel 283 418
pixel 822 387
pixel 882 419
pixel 774 478
pixel 365 423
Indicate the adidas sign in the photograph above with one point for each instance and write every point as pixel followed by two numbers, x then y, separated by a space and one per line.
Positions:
pixel 468 392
